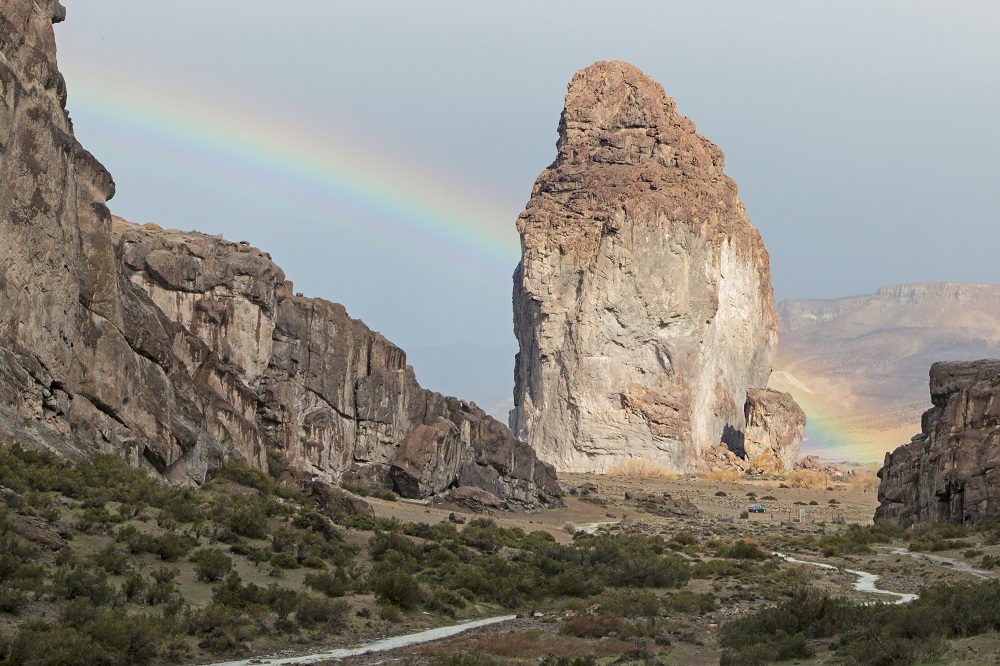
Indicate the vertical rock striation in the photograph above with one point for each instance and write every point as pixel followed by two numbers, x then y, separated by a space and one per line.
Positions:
pixel 951 470
pixel 642 304
pixel 179 351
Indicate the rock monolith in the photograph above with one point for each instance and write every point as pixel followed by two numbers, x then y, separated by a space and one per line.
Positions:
pixel 642 303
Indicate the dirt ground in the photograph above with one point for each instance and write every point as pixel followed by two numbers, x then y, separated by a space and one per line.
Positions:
pixel 691 640
pixel 608 505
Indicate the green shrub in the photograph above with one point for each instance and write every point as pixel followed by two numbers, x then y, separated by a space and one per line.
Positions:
pixel 134 588
pixel 397 588
pixel 12 601
pixel 743 550
pixel 211 564
pixel 689 602
pixel 111 559
pixel 332 585
pixel 628 603
pixel 330 614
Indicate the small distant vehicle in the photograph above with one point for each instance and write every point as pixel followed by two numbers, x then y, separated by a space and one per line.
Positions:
pixel 756 508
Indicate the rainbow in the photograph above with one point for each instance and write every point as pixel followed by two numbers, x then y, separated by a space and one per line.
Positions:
pixel 311 166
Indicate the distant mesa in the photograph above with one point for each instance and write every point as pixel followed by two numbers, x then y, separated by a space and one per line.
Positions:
pixel 858 365
pixel 643 305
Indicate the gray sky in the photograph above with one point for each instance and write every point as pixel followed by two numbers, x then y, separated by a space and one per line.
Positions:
pixel 381 151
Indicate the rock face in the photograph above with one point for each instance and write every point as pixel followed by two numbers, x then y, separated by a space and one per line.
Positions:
pixel 774 428
pixel 179 351
pixel 950 470
pixel 642 304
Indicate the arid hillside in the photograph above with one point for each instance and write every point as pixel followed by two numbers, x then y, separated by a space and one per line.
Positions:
pixel 858 365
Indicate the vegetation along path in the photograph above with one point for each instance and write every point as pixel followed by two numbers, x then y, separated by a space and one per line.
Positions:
pixel 865 583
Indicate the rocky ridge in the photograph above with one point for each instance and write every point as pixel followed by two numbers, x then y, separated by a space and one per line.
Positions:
pixel 179 351
pixel 642 304
pixel 948 472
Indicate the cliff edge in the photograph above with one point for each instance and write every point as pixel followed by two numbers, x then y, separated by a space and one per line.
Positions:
pixel 179 351
pixel 949 471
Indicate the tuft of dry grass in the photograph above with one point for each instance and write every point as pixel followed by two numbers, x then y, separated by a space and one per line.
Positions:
pixel 807 478
pixel 641 468
pixel 863 482
pixel 722 476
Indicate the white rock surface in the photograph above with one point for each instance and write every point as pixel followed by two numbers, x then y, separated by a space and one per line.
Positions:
pixel 643 304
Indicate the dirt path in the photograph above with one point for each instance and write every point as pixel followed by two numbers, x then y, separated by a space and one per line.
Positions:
pixel 383 645
pixel 866 581
pixel 956 565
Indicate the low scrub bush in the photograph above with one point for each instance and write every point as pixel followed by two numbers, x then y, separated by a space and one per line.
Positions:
pixel 211 564
pixel 588 625
pixel 805 478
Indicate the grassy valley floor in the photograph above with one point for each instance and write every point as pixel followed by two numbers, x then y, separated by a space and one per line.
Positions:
pixel 104 566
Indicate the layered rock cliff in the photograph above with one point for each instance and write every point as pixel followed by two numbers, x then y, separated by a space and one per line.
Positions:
pixel 642 304
pixel 179 351
pixel 950 470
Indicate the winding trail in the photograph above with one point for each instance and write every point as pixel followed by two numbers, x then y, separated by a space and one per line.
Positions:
pixel 390 643
pixel 866 581
pixel 956 565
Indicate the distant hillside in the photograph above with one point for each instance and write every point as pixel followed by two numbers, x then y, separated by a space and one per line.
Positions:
pixel 858 365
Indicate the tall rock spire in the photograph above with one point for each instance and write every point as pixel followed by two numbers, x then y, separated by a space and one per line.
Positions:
pixel 642 304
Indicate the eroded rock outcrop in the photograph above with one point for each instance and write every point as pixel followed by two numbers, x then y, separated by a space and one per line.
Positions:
pixel 642 304
pixel 772 441
pixel 179 351
pixel 950 470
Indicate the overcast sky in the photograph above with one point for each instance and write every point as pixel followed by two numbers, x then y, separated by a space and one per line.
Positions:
pixel 381 151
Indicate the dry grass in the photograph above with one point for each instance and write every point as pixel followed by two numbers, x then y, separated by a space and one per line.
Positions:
pixel 721 476
pixel 640 468
pixel 806 478
pixel 864 482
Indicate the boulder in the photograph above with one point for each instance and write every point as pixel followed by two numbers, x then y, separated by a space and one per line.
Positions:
pixel 334 500
pixel 774 428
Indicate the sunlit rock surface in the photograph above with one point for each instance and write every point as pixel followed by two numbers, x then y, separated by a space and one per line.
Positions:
pixel 642 304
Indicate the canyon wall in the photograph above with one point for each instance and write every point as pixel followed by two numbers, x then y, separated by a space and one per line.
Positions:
pixel 179 351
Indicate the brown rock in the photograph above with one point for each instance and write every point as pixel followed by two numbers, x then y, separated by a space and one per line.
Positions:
pixel 179 351
pixel 474 499
pixel 39 531
pixel 642 304
pixel 335 500
pixel 948 471
pixel 427 459
pixel 774 428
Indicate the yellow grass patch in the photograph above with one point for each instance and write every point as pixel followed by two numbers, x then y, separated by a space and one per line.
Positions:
pixel 863 482
pixel 639 468
pixel 807 478
pixel 722 476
